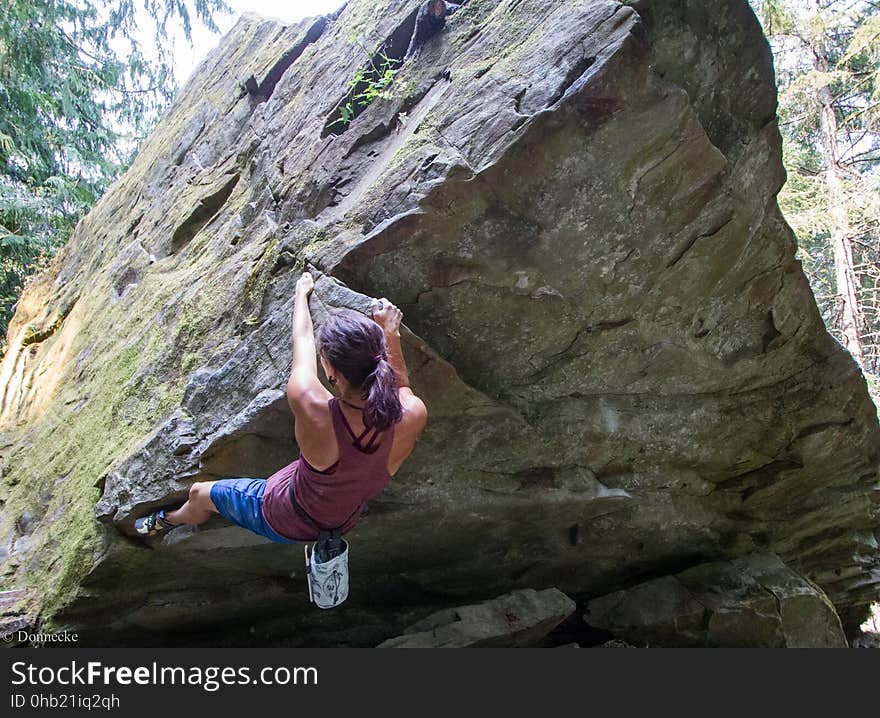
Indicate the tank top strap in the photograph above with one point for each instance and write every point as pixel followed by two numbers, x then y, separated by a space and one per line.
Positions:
pixel 369 444
pixel 345 436
pixel 356 439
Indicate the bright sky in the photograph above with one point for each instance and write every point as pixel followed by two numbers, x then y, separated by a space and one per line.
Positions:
pixel 186 57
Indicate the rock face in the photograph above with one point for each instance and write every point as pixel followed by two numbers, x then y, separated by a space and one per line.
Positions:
pixel 518 619
pixel 573 202
pixel 14 621
pixel 753 601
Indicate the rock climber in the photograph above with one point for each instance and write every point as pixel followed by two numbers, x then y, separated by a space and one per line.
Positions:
pixel 350 445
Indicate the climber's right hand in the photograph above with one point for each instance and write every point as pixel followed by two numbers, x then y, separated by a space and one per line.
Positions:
pixel 386 315
pixel 305 284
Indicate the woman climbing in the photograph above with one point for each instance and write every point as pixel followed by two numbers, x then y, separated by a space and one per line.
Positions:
pixel 350 445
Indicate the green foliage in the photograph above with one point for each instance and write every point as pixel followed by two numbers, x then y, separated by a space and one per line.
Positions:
pixel 776 17
pixel 803 202
pixel 831 47
pixel 78 92
pixel 368 84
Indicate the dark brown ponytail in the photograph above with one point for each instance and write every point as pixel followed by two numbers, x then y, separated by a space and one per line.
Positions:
pixel 355 346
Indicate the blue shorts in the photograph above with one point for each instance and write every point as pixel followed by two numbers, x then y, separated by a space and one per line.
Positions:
pixel 241 502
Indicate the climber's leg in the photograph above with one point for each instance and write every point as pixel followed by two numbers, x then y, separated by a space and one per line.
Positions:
pixel 238 500
pixel 198 508
pixel 241 502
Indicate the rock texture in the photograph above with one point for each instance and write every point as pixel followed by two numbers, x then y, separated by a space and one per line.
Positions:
pixel 14 620
pixel 518 619
pixel 574 204
pixel 753 601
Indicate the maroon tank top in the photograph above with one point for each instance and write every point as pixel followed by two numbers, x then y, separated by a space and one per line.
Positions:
pixel 332 497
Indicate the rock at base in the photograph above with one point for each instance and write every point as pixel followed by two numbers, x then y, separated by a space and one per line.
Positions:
pixel 756 601
pixel 516 619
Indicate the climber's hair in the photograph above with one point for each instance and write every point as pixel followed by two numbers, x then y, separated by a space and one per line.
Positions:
pixel 355 346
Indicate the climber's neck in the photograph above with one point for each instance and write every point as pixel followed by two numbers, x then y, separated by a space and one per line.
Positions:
pixel 352 399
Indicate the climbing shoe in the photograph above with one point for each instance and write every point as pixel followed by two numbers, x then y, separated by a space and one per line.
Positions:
pixel 153 525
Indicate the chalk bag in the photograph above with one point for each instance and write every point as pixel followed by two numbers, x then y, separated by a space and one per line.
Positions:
pixel 327 570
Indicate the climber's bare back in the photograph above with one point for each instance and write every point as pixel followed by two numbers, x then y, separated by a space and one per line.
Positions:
pixel 316 439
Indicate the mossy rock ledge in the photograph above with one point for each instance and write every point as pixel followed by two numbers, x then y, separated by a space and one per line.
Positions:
pixel 574 204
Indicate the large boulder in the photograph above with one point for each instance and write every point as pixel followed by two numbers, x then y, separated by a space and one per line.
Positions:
pixel 574 205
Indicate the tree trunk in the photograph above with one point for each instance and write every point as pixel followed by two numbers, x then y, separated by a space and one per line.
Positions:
pixel 850 318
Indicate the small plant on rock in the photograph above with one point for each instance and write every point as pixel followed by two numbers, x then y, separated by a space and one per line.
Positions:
pixel 368 84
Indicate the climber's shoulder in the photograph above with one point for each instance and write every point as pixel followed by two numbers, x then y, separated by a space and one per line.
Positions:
pixel 415 413
pixel 312 424
pixel 307 398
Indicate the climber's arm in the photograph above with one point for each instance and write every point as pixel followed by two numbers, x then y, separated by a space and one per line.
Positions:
pixel 395 358
pixel 389 318
pixel 412 405
pixel 303 383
